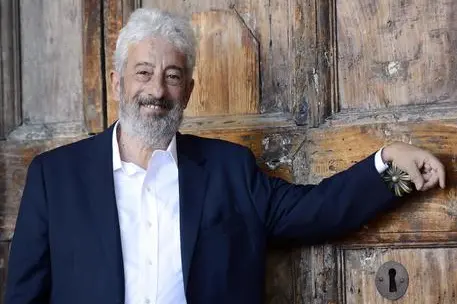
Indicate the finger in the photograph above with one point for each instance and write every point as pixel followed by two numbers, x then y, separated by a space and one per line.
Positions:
pixel 415 175
pixel 438 167
pixel 426 176
pixel 427 168
pixel 441 172
pixel 430 183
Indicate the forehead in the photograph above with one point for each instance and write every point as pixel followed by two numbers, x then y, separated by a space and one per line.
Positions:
pixel 157 51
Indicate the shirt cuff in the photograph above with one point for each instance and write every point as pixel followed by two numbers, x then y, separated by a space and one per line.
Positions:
pixel 379 163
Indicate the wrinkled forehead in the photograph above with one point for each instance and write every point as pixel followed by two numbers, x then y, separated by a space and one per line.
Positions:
pixel 157 51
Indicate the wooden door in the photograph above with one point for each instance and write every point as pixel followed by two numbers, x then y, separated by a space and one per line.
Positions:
pixel 310 86
pixel 50 90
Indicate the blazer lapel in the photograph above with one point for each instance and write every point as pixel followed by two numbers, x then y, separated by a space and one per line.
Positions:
pixel 193 180
pixel 100 189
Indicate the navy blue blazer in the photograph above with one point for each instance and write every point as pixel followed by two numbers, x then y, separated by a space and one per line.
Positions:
pixel 66 248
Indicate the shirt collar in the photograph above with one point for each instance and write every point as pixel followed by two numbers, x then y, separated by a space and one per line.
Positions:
pixel 117 162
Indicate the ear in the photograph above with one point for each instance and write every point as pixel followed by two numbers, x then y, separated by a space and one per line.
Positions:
pixel 190 88
pixel 115 79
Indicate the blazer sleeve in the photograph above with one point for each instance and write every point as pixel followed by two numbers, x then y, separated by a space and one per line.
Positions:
pixel 315 213
pixel 29 276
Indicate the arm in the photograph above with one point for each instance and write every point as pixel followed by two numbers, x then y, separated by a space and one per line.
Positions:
pixel 29 273
pixel 314 213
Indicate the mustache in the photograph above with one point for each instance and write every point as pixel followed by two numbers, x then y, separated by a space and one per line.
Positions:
pixel 142 100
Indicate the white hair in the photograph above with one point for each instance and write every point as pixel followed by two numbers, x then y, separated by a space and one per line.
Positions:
pixel 146 23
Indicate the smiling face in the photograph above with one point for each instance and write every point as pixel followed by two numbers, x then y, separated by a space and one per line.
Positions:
pixel 153 91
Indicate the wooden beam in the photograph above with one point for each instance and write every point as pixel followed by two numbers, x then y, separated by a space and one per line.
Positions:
pixel 10 67
pixel 93 66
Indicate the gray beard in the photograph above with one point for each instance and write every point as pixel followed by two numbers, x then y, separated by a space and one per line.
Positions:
pixel 154 131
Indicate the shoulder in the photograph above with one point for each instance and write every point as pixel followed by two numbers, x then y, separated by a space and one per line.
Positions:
pixel 72 152
pixel 215 149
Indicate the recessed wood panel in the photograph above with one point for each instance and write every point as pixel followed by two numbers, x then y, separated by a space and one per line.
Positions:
pixel 396 52
pixel 52 60
pixel 227 67
pixel 418 216
pixel 93 66
pixel 10 88
pixel 432 275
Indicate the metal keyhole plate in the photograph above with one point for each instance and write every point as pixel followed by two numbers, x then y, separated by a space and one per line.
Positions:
pixel 392 280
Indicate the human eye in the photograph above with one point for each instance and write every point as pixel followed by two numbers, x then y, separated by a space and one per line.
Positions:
pixel 173 78
pixel 143 75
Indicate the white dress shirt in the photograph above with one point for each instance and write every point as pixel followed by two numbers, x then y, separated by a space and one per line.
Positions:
pixel 148 208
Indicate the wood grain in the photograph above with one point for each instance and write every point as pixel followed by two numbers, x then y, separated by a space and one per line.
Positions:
pixel 333 150
pixel 431 271
pixel 227 66
pixel 10 81
pixel 93 72
pixel 51 40
pixel 396 52
pixel 4 252
pixel 113 20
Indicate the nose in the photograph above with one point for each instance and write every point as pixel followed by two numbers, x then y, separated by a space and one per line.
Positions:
pixel 156 87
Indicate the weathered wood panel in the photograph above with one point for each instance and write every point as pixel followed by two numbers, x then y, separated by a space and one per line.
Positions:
pixel 10 103
pixel 4 252
pixel 396 52
pixel 52 48
pixel 332 150
pixel 432 275
pixel 113 20
pixel 282 276
pixel 227 66
pixel 93 72
pixel 15 157
pixel 313 81
pixel 304 78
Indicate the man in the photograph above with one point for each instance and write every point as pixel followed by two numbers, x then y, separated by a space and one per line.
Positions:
pixel 143 214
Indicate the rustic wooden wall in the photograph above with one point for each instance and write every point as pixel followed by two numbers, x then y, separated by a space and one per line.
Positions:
pixel 397 52
pixel 326 83
pixel 10 111
pixel 42 101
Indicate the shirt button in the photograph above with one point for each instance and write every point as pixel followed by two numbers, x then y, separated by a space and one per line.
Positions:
pixel 147 301
pixel 149 262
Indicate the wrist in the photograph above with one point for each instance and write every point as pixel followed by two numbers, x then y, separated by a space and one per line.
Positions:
pixel 386 153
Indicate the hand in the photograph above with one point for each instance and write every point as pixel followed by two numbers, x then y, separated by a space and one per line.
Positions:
pixel 424 169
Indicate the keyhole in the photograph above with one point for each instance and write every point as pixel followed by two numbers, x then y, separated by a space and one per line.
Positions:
pixel 392 284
